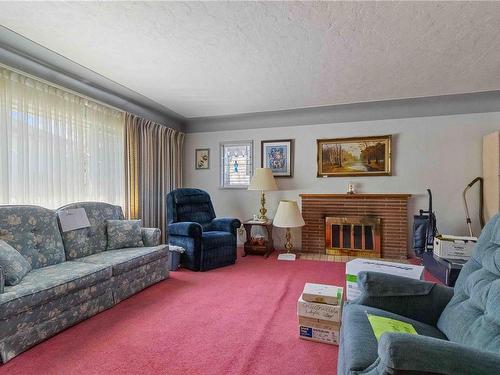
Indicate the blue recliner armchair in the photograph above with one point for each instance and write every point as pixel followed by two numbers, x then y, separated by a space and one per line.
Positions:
pixel 210 242
pixel 458 329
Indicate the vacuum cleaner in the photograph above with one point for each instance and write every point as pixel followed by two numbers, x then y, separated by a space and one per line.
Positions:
pixel 481 205
pixel 424 228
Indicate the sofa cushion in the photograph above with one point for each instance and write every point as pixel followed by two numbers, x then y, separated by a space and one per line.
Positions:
pixel 215 239
pixel 359 345
pixel 33 231
pixel 92 240
pixel 472 317
pixel 43 284
pixel 123 260
pixel 14 265
pixel 124 233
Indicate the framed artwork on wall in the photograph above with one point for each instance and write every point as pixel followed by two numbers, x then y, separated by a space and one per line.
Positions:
pixel 278 155
pixel 202 158
pixel 359 156
pixel 236 158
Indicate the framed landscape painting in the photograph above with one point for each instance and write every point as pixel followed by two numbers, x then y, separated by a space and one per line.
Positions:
pixel 362 156
pixel 202 158
pixel 278 155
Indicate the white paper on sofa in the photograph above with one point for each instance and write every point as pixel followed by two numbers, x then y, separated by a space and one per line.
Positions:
pixel 73 218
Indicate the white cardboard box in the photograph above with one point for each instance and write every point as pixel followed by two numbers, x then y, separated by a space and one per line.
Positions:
pixel 327 336
pixel 354 267
pixel 321 311
pixel 322 293
pixel 454 247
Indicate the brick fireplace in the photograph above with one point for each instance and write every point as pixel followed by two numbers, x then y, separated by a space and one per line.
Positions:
pixel 389 211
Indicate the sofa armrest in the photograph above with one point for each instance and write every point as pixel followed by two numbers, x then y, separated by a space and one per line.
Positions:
pixel 151 236
pixel 226 224
pixel 186 229
pixel 2 280
pixel 422 354
pixel 415 299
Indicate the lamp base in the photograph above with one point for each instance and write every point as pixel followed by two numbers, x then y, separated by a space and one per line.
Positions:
pixel 287 256
pixel 263 211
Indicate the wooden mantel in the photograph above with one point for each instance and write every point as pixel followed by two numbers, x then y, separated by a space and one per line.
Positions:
pixel 356 196
pixel 391 208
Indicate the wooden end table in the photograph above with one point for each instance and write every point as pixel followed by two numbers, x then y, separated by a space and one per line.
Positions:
pixel 265 249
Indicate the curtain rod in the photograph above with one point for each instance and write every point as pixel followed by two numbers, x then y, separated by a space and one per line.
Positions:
pixel 80 95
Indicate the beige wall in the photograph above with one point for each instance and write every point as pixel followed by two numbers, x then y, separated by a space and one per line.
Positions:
pixel 441 152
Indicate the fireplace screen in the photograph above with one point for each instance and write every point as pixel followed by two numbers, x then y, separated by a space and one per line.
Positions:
pixel 354 236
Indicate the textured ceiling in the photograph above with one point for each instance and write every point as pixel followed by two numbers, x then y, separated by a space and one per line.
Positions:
pixel 219 58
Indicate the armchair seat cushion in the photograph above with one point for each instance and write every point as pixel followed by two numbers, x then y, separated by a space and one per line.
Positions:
pixel 43 284
pixel 216 239
pixel 123 260
pixel 356 331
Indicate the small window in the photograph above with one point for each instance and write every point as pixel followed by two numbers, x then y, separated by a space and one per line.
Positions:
pixel 236 164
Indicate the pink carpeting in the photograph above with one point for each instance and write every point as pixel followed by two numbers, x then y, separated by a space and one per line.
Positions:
pixel 234 320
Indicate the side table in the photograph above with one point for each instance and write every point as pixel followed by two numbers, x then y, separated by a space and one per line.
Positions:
pixel 265 249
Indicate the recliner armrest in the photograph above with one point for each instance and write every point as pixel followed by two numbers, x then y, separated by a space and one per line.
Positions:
pixel 422 354
pixel 416 299
pixel 186 229
pixel 226 224
pixel 151 236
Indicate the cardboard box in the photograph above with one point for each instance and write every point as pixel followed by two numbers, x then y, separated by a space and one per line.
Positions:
pixel 321 311
pixel 451 247
pixel 318 323
pixel 327 336
pixel 322 293
pixel 354 267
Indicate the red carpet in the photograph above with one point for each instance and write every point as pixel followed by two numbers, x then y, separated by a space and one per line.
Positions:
pixel 234 320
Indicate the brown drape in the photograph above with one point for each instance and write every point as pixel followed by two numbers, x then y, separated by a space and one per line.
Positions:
pixel 153 157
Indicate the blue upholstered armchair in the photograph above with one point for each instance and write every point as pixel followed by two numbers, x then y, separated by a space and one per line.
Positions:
pixel 210 242
pixel 458 329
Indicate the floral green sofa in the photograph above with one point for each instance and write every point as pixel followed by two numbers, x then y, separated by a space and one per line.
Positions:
pixel 73 275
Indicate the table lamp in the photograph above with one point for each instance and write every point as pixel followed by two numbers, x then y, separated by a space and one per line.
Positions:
pixel 288 216
pixel 263 180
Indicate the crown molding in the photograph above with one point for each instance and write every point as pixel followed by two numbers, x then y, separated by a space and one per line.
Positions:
pixel 479 102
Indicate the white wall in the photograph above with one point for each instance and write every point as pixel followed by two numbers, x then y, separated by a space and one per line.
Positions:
pixel 441 152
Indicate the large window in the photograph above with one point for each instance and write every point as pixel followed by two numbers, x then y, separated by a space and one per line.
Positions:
pixel 57 147
pixel 236 164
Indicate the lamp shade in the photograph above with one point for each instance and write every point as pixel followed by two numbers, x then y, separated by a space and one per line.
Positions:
pixel 288 215
pixel 263 179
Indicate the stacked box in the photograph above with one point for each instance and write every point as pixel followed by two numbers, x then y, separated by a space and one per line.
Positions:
pixel 319 309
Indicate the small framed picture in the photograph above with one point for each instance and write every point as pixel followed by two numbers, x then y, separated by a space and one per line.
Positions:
pixel 202 158
pixel 278 155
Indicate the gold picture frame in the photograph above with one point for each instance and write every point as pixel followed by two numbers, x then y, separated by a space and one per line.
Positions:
pixel 355 156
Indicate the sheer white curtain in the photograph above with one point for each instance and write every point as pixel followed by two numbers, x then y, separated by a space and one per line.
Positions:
pixel 57 147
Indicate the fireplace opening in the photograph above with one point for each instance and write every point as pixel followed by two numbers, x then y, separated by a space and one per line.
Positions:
pixel 353 236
